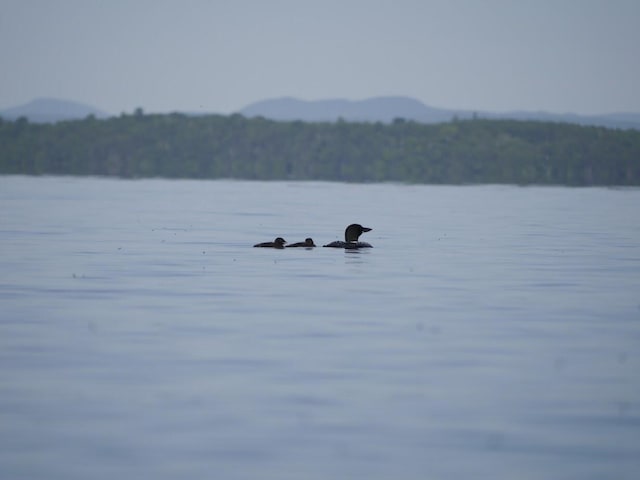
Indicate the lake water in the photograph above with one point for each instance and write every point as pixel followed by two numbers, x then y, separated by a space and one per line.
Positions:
pixel 493 332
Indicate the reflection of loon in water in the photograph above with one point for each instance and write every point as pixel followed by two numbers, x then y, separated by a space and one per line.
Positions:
pixel 277 243
pixel 308 243
pixel 351 235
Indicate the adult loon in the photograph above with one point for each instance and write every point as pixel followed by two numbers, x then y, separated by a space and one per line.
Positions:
pixel 308 243
pixel 351 235
pixel 277 243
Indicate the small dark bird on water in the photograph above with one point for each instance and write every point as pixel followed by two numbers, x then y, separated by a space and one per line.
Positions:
pixel 277 243
pixel 308 243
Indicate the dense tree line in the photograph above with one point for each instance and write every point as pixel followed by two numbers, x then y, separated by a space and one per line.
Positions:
pixel 215 146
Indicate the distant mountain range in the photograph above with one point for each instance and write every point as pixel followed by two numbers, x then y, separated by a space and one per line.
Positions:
pixel 49 110
pixel 387 109
pixel 378 109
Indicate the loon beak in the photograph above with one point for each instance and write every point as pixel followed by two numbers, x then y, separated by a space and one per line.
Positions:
pixel 366 229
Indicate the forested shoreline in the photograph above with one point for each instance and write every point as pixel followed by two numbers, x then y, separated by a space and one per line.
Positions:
pixel 216 146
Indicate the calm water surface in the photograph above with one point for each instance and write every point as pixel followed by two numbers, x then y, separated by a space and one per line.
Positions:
pixel 491 333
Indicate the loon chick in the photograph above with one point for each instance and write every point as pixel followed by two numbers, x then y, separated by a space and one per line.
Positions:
pixel 351 235
pixel 308 243
pixel 277 243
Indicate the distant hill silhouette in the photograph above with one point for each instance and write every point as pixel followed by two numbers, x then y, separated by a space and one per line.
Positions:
pixel 377 109
pixel 386 109
pixel 51 110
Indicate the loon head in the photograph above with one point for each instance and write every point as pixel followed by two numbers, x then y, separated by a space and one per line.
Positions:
pixel 279 242
pixel 353 232
pixel 308 242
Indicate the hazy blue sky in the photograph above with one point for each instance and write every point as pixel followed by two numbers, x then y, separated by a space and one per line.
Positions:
pixel 218 56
